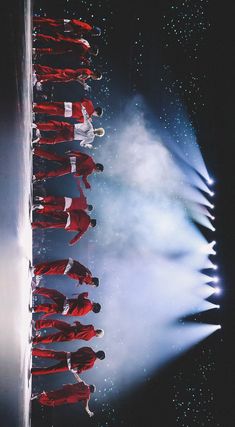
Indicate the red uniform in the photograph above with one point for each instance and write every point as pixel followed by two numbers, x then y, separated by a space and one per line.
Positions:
pixel 68 204
pixel 81 360
pixel 45 73
pixel 65 41
pixel 68 332
pixel 69 393
pixel 79 306
pixel 70 221
pixel 78 163
pixel 69 267
pixel 65 109
pixel 60 44
pixel 64 25
pixel 63 132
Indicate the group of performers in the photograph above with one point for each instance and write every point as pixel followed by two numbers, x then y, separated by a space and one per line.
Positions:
pixel 58 37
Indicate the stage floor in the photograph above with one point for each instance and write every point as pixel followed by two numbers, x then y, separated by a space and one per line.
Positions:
pixel 16 234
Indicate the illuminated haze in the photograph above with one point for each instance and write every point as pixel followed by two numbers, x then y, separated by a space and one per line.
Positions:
pixel 148 255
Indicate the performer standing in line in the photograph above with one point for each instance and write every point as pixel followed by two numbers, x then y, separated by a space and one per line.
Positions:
pixel 60 44
pixel 69 393
pixel 67 332
pixel 48 204
pixel 65 132
pixel 76 162
pixel 79 306
pixel 43 73
pixel 68 109
pixel 81 360
pixel 69 26
pixel 68 267
pixel 70 221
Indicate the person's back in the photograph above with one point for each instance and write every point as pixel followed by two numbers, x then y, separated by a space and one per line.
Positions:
pixel 79 220
pixel 79 306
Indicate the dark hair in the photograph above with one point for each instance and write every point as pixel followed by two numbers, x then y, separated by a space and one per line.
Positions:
pixel 100 355
pixel 96 31
pixel 92 388
pixel 99 111
pixel 95 281
pixel 96 307
pixel 97 74
pixel 89 207
pixel 93 222
pixel 99 167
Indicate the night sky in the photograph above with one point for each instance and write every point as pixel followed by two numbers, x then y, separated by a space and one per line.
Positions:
pixel 178 56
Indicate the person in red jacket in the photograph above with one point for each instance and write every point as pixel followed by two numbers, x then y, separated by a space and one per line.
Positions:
pixel 60 44
pixel 67 332
pixel 69 393
pixel 48 204
pixel 69 26
pixel 81 360
pixel 79 306
pixel 68 109
pixel 69 267
pixel 70 221
pixel 76 162
pixel 44 73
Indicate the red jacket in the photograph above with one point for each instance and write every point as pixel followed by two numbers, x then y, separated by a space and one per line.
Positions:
pixel 80 25
pixel 69 393
pixel 83 359
pixel 77 109
pixel 80 272
pixel 85 165
pixel 83 332
pixel 79 221
pixel 75 331
pixel 79 306
pixel 63 74
pixel 77 203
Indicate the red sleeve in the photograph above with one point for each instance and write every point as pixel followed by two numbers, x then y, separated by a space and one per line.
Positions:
pixel 77 237
pixel 81 24
pixel 86 183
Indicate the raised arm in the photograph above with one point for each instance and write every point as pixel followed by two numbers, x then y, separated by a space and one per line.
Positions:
pixel 86 407
pixel 86 183
pixel 76 238
pixel 81 194
pixel 82 81
pixel 74 371
pixel 86 117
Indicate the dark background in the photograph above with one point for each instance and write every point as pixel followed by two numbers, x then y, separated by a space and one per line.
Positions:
pixel 203 376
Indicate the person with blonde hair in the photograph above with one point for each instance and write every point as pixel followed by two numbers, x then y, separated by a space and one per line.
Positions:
pixel 65 132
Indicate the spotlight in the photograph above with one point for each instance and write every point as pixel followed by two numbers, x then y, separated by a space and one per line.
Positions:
pixel 215 267
pixel 213 229
pixel 217 290
pixel 215 279
pixel 210 181
pixel 212 217
pixel 211 193
pixel 220 326
pixel 212 206
pixel 217 306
